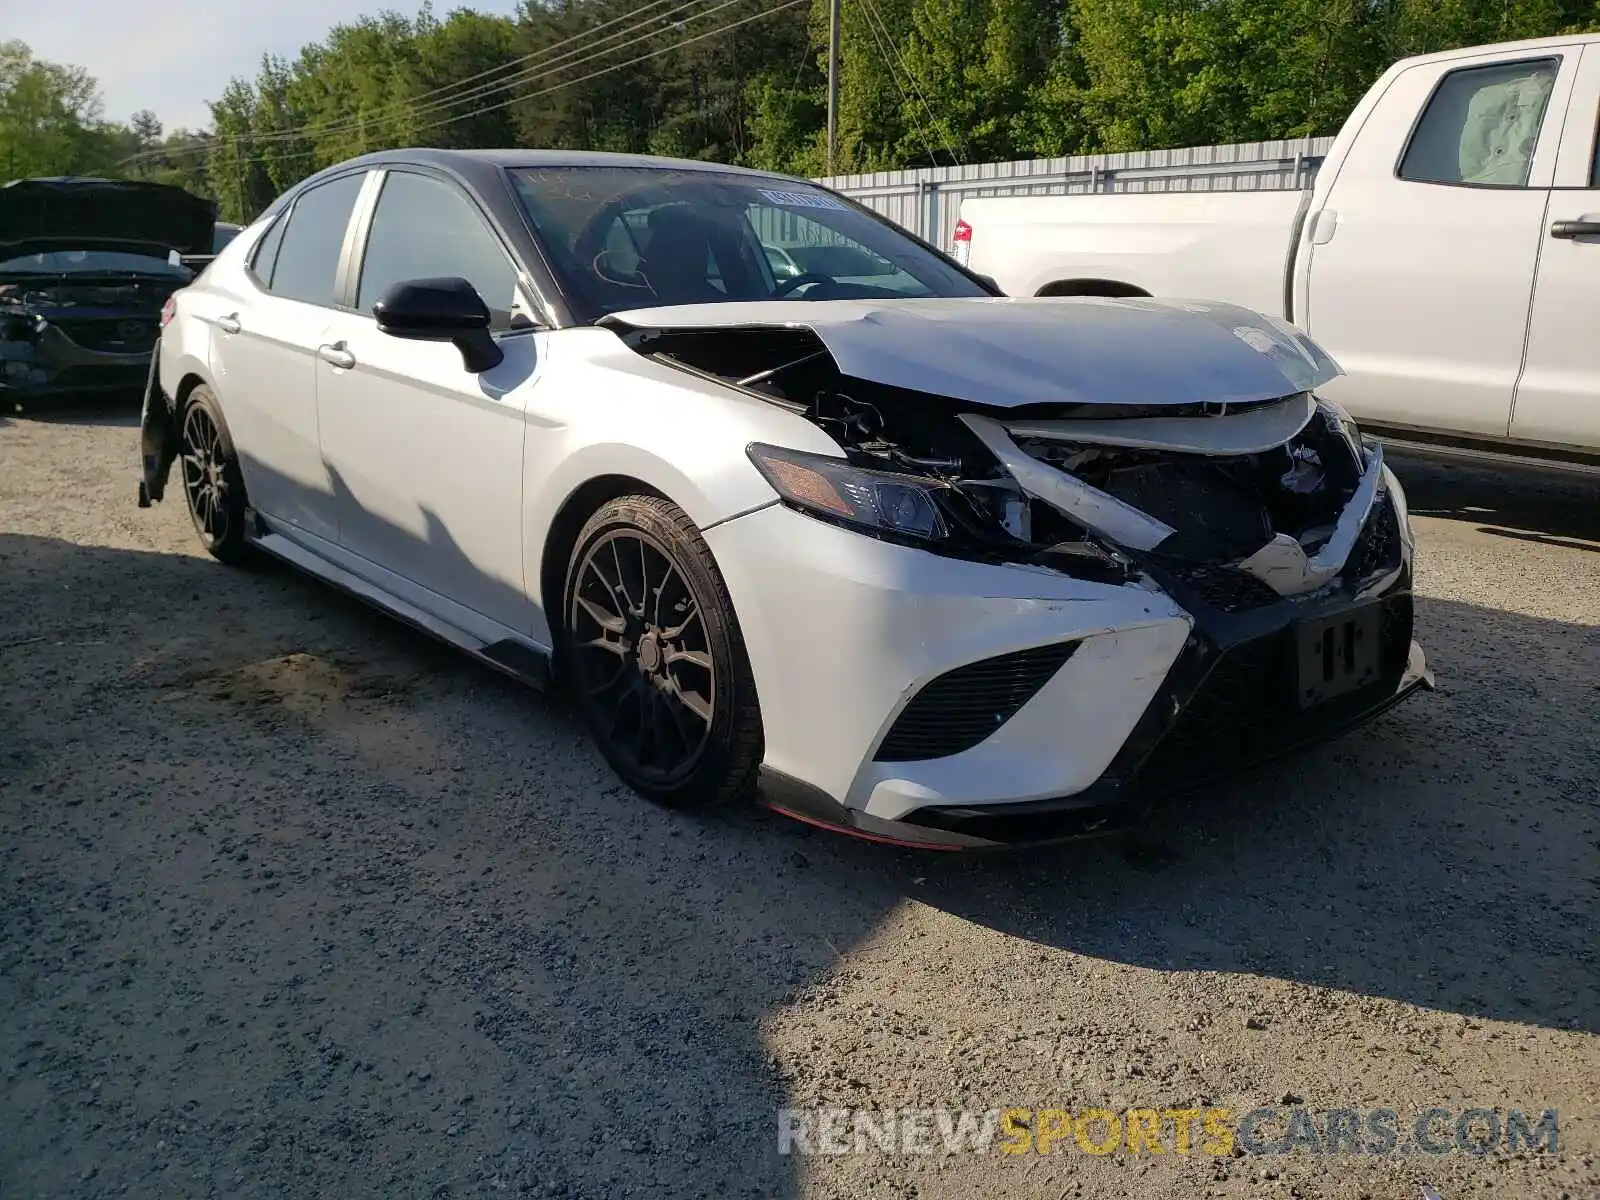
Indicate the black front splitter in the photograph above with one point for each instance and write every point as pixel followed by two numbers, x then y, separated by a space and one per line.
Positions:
pixel 1109 807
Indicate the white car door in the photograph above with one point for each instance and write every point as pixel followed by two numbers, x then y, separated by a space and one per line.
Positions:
pixel 263 358
pixel 1422 260
pixel 425 456
pixel 1558 396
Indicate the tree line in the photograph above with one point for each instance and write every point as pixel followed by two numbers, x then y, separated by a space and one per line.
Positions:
pixel 922 82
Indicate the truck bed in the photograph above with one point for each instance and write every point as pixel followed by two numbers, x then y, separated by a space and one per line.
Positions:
pixel 1231 246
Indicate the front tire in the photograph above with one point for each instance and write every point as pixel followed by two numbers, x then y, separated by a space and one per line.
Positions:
pixel 655 659
pixel 213 486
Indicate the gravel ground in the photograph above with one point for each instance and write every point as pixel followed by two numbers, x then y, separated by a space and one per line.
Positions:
pixel 294 902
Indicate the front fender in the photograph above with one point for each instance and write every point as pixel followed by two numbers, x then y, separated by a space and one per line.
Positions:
pixel 606 412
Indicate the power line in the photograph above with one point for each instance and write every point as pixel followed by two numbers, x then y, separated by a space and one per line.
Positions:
pixel 235 139
pixel 874 14
pixel 631 62
pixel 543 70
pixel 922 133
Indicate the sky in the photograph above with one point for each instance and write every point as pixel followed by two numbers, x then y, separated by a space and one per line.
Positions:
pixel 172 56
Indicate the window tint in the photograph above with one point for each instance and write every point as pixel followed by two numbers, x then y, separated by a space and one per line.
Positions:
pixel 308 260
pixel 266 254
pixel 1482 125
pixel 809 247
pixel 424 228
pixel 629 237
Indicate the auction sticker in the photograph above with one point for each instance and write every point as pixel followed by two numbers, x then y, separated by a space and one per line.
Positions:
pixel 802 199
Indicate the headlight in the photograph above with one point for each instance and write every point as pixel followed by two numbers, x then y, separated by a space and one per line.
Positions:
pixel 879 502
pixel 1340 420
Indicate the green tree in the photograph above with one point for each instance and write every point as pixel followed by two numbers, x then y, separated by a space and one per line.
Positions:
pixel 50 118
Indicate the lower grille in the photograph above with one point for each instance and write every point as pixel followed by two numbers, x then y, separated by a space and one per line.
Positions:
pixel 1229 590
pixel 1245 709
pixel 960 708
pixel 1377 549
pixel 128 335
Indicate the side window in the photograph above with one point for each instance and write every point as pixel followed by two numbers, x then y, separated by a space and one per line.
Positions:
pixel 1482 125
pixel 266 252
pixel 424 228
pixel 797 245
pixel 307 267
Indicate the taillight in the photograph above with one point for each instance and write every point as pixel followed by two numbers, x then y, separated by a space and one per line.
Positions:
pixel 962 239
pixel 168 311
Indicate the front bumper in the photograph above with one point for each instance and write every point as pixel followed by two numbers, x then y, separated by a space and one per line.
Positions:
pixel 54 365
pixel 1155 698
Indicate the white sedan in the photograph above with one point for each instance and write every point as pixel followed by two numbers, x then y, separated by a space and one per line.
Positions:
pixel 894 553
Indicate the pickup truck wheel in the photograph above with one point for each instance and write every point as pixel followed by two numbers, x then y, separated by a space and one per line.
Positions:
pixel 655 659
pixel 213 486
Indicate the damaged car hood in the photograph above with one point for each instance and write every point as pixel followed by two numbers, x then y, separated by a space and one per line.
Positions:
pixel 1006 352
pixel 109 214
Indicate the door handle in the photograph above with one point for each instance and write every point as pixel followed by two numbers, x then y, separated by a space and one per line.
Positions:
pixel 336 355
pixel 1575 229
pixel 229 323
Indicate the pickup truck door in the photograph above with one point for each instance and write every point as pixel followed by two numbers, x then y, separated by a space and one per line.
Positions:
pixel 1422 258
pixel 1558 396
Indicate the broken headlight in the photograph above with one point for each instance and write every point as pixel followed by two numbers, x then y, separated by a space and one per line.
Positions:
pixel 879 502
pixel 1341 422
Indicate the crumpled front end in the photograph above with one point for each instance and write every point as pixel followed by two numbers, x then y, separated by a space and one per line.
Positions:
pixel 1135 598
pixel 71 336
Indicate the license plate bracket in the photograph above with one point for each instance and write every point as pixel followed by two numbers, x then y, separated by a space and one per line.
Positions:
pixel 1337 655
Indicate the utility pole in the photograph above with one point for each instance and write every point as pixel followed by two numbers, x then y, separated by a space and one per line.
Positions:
pixel 833 86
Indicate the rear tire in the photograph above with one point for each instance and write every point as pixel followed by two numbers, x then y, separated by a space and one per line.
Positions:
pixel 655 660
pixel 213 486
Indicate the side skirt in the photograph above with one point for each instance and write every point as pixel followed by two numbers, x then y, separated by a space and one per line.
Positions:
pixel 510 655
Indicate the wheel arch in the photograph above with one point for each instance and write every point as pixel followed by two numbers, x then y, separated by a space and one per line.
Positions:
pixel 562 535
pixel 186 387
pixel 1090 287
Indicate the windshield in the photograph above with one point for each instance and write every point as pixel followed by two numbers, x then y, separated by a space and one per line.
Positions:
pixel 84 262
pixel 638 237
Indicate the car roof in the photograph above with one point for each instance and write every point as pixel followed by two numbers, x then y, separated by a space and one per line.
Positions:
pixel 464 161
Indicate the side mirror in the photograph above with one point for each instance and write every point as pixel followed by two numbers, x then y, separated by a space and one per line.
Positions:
pixel 440 310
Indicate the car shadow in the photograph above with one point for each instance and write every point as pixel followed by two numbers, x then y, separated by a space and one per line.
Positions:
pixel 1514 501
pixel 410 926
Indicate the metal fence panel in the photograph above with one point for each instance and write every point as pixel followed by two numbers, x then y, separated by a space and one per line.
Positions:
pixel 928 200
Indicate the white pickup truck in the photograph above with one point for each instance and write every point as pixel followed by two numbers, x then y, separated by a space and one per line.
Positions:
pixel 1447 256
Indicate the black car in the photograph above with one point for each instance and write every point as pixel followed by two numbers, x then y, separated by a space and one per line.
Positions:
pixel 85 268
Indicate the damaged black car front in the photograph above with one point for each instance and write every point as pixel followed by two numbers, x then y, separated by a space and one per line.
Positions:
pixel 86 266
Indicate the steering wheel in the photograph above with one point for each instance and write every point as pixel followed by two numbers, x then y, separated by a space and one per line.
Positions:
pixel 785 286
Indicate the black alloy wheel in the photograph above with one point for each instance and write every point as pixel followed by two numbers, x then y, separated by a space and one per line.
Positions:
pixel 656 659
pixel 212 484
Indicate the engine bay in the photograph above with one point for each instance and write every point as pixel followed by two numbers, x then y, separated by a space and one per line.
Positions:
pixel 1003 473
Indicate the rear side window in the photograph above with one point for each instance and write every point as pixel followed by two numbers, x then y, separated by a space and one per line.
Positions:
pixel 266 255
pixel 424 228
pixel 307 265
pixel 1482 125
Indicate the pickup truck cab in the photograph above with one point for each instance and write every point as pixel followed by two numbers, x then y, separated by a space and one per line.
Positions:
pixel 1447 255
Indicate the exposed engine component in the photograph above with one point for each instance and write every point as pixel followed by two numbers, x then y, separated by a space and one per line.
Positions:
pixel 1037 485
